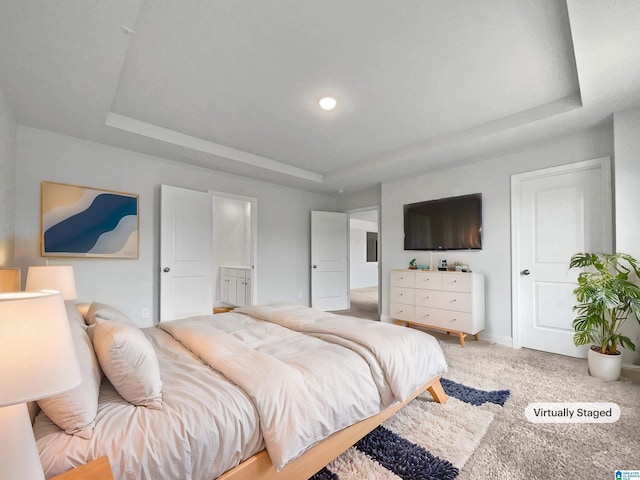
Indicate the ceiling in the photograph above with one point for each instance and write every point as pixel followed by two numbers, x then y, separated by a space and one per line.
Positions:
pixel 233 85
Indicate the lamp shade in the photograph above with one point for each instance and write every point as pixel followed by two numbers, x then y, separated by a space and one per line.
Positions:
pixel 9 279
pixel 52 277
pixel 37 356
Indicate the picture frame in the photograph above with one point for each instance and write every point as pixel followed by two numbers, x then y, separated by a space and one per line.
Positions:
pixel 87 222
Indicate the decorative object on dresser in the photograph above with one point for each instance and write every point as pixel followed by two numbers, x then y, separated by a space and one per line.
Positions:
pixel 449 301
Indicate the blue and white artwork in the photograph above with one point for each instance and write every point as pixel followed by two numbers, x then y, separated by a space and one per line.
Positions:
pixel 88 222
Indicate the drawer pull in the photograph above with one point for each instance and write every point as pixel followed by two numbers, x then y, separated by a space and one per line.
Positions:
pixel 452 300
pixel 454 319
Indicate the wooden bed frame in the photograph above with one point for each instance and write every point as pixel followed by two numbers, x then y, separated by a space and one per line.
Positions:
pixel 259 466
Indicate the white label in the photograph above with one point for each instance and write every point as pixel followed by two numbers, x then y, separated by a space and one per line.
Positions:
pixel 565 412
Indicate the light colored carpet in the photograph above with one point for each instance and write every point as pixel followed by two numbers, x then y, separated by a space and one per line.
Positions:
pixel 513 448
pixel 364 303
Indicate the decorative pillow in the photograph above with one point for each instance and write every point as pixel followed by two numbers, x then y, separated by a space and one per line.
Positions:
pixel 129 362
pixel 75 411
pixel 74 314
pixel 105 312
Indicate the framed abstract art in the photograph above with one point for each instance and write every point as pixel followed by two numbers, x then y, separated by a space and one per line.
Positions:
pixel 88 222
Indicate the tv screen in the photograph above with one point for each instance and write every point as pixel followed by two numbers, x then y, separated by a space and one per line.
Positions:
pixel 453 223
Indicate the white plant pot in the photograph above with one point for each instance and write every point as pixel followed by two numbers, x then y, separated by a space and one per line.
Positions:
pixel 603 366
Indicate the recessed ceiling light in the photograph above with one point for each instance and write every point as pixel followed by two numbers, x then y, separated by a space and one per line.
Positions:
pixel 327 103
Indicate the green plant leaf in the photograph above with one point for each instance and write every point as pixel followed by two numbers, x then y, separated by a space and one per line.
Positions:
pixel 606 296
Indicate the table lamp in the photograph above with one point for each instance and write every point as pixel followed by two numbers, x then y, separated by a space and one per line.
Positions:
pixel 9 279
pixel 37 360
pixel 52 277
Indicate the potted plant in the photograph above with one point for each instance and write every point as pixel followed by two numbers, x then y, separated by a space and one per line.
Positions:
pixel 606 297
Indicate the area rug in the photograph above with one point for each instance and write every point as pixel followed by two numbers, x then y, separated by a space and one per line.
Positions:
pixel 424 440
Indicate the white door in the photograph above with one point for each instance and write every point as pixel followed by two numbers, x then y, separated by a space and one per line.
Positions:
pixel 185 253
pixel 556 212
pixel 329 261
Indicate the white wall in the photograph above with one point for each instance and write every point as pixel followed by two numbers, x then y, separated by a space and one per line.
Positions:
pixel 7 182
pixel 368 197
pixel 361 273
pixel 232 227
pixel 626 127
pixel 131 285
pixel 491 178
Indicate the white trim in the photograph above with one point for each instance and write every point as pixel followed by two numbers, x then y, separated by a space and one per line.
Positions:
pixel 604 164
pixel 166 135
pixel 497 339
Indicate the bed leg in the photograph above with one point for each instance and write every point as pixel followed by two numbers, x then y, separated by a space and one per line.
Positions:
pixel 437 392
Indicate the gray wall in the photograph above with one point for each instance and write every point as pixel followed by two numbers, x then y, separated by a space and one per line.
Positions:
pixel 131 285
pixel 7 184
pixel 492 178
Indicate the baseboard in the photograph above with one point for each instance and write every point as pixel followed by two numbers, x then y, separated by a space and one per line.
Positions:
pixel 631 372
pixel 497 339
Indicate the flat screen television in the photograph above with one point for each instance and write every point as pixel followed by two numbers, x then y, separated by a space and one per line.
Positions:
pixel 453 223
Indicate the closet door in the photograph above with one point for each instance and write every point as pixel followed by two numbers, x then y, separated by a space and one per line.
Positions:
pixel 186 241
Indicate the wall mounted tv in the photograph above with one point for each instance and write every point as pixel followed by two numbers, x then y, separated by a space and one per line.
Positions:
pixel 453 223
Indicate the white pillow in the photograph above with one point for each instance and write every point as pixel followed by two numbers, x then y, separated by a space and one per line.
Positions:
pixel 129 362
pixel 74 314
pixel 105 312
pixel 75 411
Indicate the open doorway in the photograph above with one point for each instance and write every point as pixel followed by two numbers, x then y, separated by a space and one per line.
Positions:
pixel 364 275
pixel 234 249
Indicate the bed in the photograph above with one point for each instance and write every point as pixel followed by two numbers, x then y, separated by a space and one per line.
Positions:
pixel 262 392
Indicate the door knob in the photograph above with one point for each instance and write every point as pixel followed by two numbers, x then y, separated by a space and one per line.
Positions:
pixel 525 272
pixel 315 266
pixel 166 269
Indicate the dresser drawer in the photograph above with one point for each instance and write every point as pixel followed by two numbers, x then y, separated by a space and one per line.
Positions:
pixel 399 311
pixel 402 278
pixel 457 282
pixel 460 302
pixel 402 295
pixel 446 319
pixel 430 280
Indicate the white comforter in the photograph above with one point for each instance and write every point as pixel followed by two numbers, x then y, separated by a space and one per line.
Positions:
pixel 305 386
pixel 206 426
pixel 263 382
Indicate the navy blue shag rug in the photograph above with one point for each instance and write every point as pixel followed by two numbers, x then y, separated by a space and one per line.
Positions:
pixel 424 440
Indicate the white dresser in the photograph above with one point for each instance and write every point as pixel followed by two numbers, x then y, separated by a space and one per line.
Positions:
pixel 449 301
